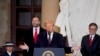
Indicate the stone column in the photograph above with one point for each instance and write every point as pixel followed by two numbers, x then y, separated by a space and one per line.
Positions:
pixel 5 25
pixel 50 10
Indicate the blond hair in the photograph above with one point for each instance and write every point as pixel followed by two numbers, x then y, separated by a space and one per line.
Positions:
pixel 49 22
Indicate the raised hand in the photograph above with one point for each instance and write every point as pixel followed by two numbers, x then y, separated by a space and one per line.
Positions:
pixel 24 47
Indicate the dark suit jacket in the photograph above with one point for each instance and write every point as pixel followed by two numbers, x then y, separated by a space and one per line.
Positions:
pixel 30 41
pixel 93 50
pixel 6 54
pixel 57 40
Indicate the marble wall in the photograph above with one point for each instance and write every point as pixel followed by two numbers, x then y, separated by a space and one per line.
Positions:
pixel 4 21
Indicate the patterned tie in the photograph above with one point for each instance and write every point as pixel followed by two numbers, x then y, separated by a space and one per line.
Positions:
pixel 90 40
pixel 35 36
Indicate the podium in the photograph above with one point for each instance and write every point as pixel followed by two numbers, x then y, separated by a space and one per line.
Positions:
pixel 49 52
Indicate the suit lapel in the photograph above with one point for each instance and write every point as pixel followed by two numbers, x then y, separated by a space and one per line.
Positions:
pixel 12 54
pixel 32 35
pixel 45 38
pixel 87 42
pixel 40 30
pixel 94 40
pixel 7 54
pixel 53 38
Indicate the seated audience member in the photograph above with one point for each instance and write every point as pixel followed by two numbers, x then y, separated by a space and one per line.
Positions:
pixel 9 46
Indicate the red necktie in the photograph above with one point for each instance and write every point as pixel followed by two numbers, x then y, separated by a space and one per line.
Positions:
pixel 35 36
pixel 90 40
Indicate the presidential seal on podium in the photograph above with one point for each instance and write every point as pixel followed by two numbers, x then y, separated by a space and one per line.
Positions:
pixel 48 53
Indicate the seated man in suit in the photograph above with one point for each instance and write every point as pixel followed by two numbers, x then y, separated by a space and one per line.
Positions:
pixel 90 45
pixel 9 49
pixel 50 38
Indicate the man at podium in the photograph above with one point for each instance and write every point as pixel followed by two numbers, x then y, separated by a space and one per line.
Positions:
pixel 50 38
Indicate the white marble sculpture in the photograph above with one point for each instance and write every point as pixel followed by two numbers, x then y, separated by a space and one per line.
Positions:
pixel 76 15
pixel 63 20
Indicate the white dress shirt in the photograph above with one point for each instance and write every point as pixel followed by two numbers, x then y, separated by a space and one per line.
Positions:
pixel 38 30
pixel 92 36
pixel 51 36
pixel 9 53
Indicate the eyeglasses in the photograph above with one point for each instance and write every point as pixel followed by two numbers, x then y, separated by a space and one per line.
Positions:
pixel 92 29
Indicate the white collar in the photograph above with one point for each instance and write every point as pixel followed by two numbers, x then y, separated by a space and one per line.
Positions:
pixel 92 36
pixel 38 30
pixel 9 53
pixel 36 27
pixel 51 35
